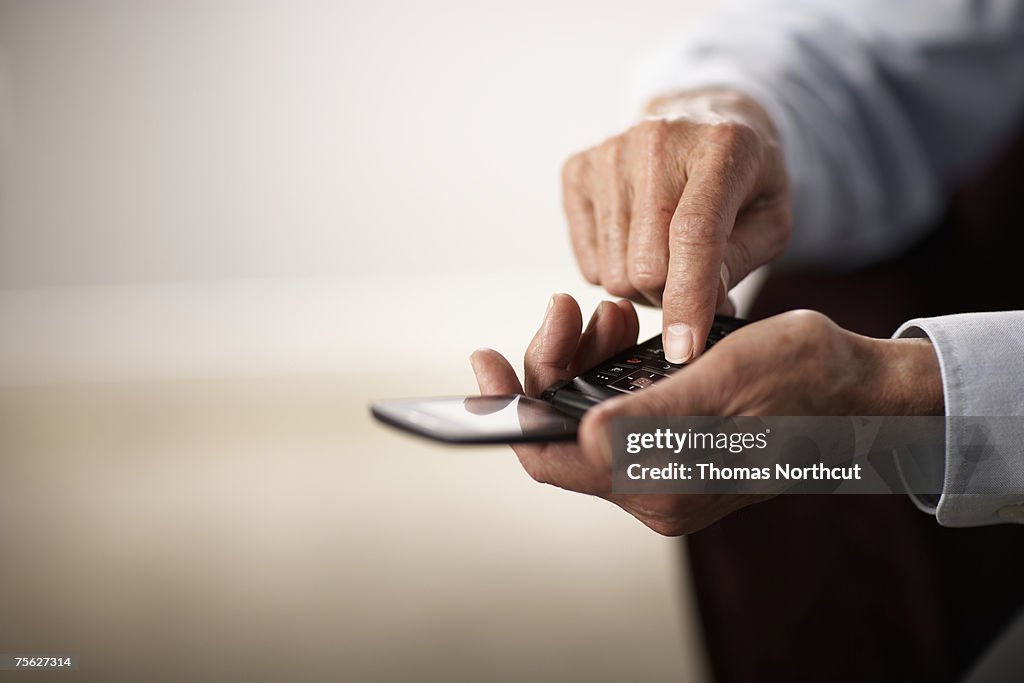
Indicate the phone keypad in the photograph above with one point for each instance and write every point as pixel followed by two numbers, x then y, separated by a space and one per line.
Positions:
pixel 642 366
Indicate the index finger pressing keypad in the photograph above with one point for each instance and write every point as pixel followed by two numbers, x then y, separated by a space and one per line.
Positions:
pixel 644 365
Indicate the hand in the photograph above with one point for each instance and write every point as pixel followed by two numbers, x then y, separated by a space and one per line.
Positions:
pixel 557 352
pixel 797 363
pixel 681 207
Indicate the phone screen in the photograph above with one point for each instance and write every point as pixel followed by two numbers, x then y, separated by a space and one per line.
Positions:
pixel 478 419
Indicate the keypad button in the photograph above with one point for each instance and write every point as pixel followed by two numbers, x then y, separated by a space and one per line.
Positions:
pixel 642 366
pixel 650 354
pixel 624 383
pixel 663 366
pixel 641 379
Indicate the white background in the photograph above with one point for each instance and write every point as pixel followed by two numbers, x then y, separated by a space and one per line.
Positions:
pixel 170 141
pixel 387 164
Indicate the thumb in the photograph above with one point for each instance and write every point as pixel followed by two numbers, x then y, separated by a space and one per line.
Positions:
pixel 759 236
pixel 693 391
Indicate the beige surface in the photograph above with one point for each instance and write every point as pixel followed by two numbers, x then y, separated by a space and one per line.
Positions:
pixel 266 530
pixel 165 525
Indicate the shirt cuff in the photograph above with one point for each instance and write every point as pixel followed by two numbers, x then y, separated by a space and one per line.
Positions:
pixel 981 358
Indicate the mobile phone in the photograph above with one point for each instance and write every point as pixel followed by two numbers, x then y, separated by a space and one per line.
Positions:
pixel 554 416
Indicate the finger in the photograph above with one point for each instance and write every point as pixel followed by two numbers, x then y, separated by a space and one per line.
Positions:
pixel 613 328
pixel 496 377
pixel 641 300
pixel 700 228
pixel 654 202
pixel 611 208
pixel 601 339
pixel 552 349
pixel 546 463
pixel 579 211
pixel 494 374
pixel 565 465
pixel 759 236
pixel 631 321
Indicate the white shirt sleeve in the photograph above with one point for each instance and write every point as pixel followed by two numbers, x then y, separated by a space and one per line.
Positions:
pixel 981 356
pixel 881 106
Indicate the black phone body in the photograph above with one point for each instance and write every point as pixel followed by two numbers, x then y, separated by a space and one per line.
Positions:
pixel 552 417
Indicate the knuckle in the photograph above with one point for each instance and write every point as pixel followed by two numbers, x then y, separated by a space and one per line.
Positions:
pixel 648 274
pixel 653 134
pixel 732 136
pixel 735 150
pixel 661 148
pixel 699 229
pixel 572 170
pixel 806 333
pixel 613 154
pixel 806 320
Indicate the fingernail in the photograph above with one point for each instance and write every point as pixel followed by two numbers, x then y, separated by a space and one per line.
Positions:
pixel 551 305
pixel 678 343
pixel 725 276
